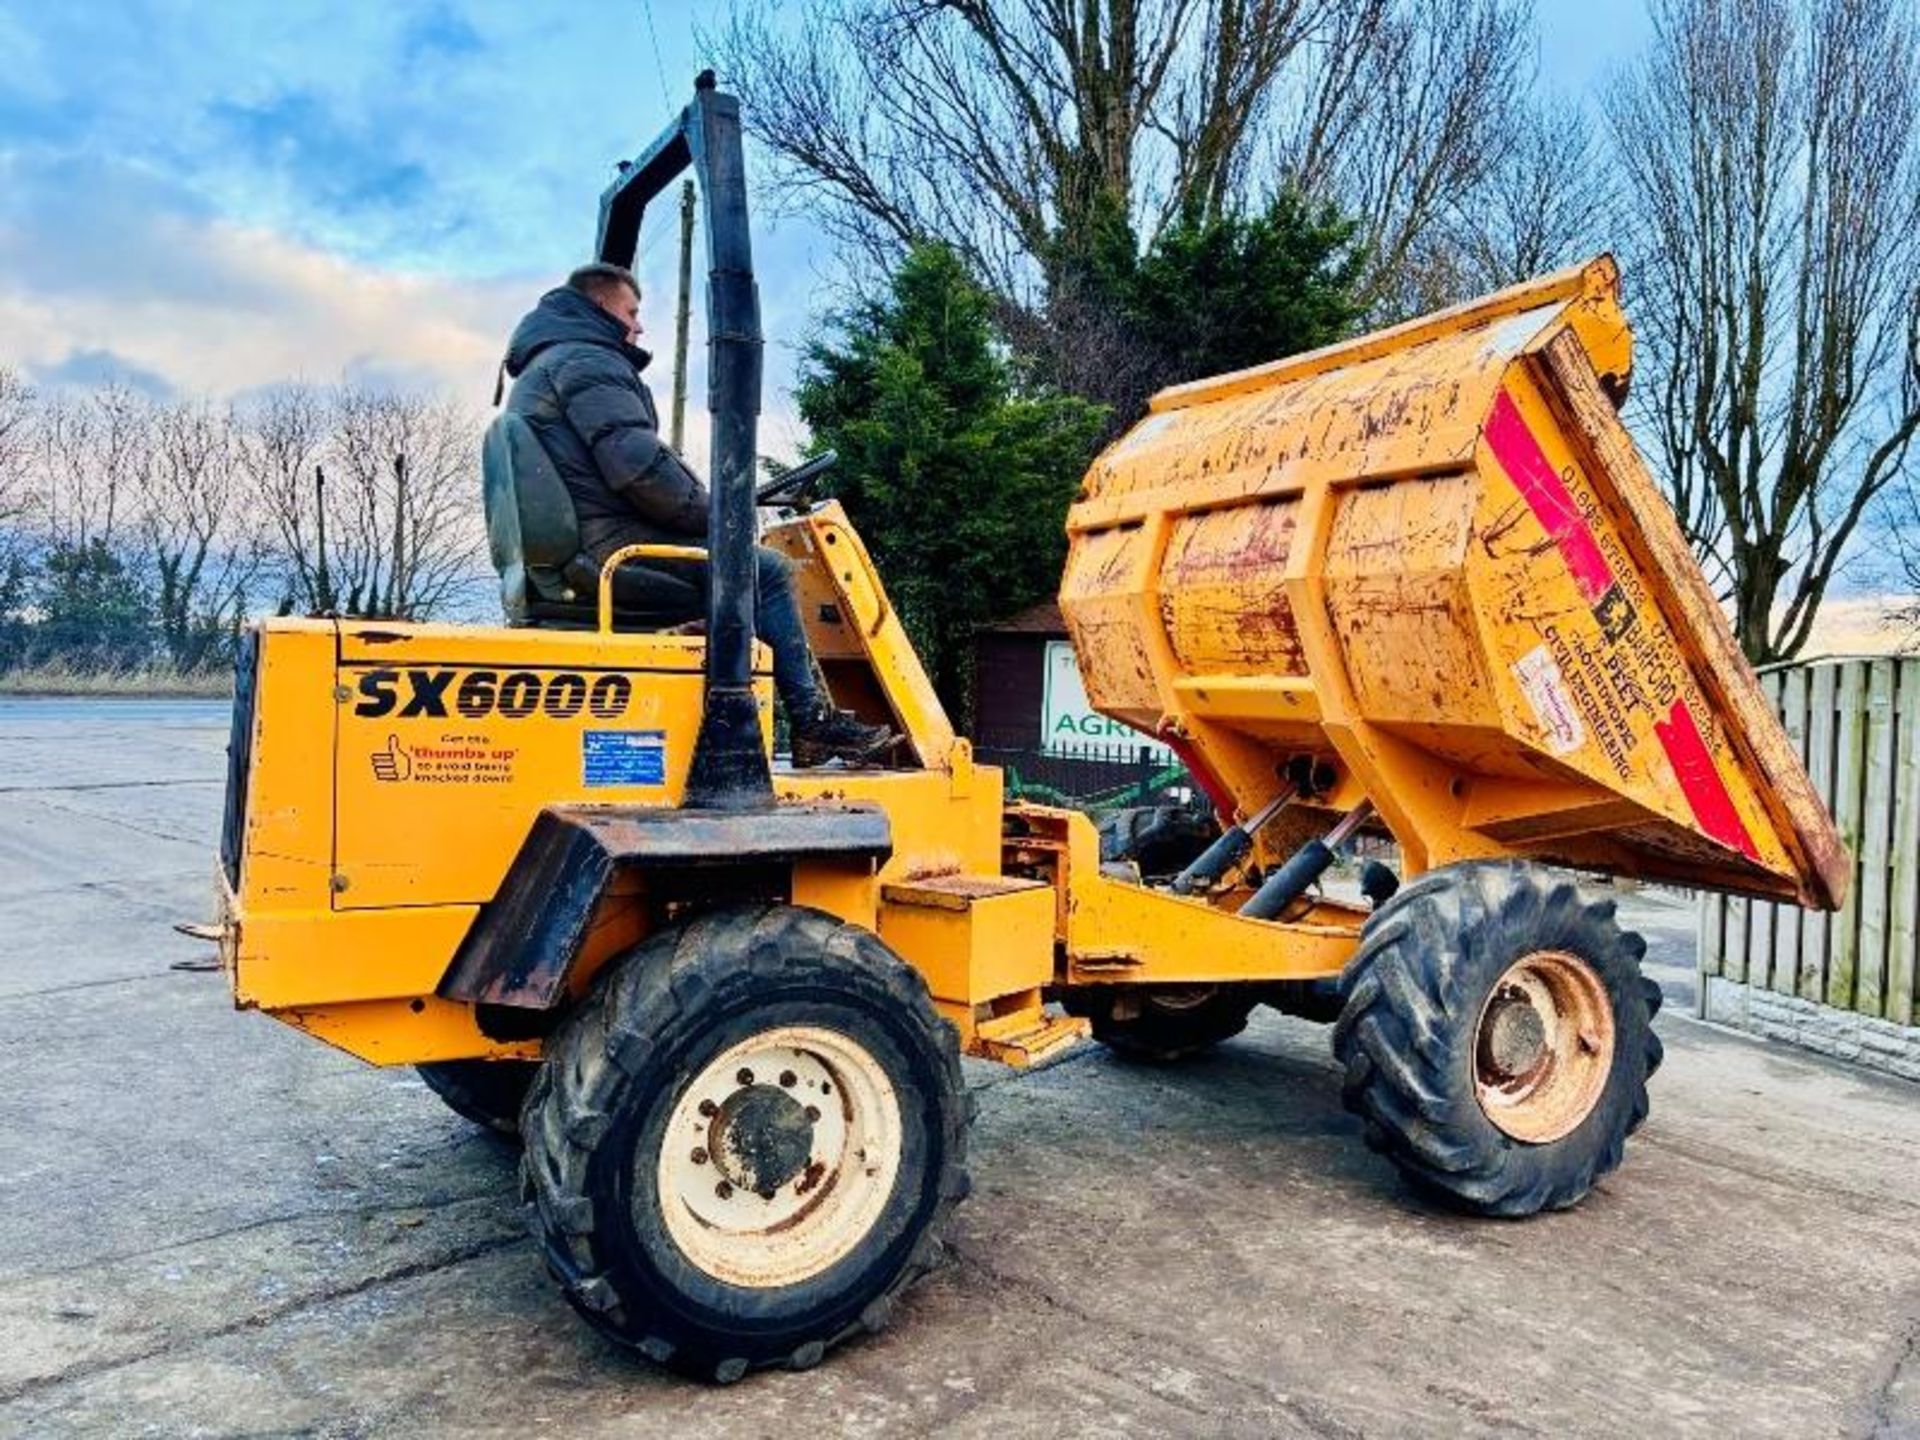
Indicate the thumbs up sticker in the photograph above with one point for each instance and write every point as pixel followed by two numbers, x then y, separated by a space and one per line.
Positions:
pixel 392 763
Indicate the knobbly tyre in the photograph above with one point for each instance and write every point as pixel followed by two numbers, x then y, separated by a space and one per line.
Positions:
pixel 1417 585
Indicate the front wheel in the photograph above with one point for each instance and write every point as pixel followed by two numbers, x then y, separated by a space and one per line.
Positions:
pixel 744 1143
pixel 1497 1037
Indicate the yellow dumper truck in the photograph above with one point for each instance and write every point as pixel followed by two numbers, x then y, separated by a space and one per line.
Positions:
pixel 1418 585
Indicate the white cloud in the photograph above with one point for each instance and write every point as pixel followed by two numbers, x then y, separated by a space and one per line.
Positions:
pixel 318 191
pixel 242 308
pixel 299 313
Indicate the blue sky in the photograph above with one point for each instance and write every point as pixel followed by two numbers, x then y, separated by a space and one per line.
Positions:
pixel 206 198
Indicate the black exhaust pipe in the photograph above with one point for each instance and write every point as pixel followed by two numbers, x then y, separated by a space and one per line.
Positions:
pixel 729 766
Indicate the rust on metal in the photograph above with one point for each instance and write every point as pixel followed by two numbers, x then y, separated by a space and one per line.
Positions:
pixel 1826 868
pixel 1543 1046
pixel 524 943
pixel 1431 558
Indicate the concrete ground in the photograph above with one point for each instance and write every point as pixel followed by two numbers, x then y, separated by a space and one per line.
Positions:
pixel 217 1227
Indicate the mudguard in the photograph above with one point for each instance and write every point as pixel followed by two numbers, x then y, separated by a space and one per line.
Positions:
pixel 524 943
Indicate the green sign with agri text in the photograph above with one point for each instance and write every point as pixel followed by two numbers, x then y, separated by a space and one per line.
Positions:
pixel 1068 722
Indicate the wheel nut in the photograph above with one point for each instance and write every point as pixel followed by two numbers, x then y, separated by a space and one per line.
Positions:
pixel 709 1109
pixel 788 1079
pixel 723 1190
pixel 745 1077
pixel 813 1112
pixel 699 1155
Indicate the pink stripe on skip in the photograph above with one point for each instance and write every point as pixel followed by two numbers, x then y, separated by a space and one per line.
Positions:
pixel 1546 495
pixel 1700 780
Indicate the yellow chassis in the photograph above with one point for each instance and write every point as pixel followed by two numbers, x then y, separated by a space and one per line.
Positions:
pixel 386 776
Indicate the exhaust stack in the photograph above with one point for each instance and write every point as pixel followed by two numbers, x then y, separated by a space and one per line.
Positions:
pixel 729 768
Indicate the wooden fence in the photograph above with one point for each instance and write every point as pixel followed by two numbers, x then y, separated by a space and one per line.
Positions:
pixel 1856 724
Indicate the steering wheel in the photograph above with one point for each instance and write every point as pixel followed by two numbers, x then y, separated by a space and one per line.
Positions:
pixel 791 488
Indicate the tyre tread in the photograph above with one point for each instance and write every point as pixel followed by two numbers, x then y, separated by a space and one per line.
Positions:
pixel 1405 1020
pixel 1158 1035
pixel 627 1016
pixel 488 1092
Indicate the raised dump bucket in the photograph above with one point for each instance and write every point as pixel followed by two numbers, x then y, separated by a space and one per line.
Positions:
pixel 1433 556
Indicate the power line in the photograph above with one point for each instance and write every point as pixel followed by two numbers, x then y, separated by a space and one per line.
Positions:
pixel 651 224
pixel 653 227
pixel 658 65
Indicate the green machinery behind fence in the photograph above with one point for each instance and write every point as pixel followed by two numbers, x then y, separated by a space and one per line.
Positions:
pixel 1089 777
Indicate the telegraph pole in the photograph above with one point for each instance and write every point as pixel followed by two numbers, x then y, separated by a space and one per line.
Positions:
pixel 677 426
pixel 323 583
pixel 397 586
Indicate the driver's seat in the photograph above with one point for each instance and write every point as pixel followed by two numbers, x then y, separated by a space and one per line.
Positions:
pixel 546 578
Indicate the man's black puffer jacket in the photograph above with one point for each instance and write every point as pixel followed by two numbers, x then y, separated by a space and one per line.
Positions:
pixel 577 382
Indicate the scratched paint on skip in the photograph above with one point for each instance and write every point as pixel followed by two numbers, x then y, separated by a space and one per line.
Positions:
pixel 1626 679
pixel 1506 338
pixel 1519 453
pixel 1141 436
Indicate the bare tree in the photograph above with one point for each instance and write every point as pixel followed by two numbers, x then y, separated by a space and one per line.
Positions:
pixel 204 538
pixel 402 512
pixel 94 459
pixel 1898 512
pixel 1402 111
pixel 1547 201
pixel 73 581
pixel 139 523
pixel 278 441
pixel 372 498
pixel 1773 167
pixel 1016 131
pixel 17 416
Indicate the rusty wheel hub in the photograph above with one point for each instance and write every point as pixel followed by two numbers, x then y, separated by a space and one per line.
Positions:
pixel 779 1156
pixel 760 1138
pixel 1543 1047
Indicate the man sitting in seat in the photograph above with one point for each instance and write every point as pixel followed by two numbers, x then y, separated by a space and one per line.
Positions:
pixel 576 381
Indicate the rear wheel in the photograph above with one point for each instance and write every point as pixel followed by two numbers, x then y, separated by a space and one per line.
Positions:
pixel 487 1092
pixel 1497 1037
pixel 744 1143
pixel 1162 1022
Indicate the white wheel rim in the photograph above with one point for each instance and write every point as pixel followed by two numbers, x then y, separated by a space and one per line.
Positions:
pixel 779 1157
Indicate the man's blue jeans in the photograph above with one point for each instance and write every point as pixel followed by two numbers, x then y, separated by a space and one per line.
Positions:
pixel 776 620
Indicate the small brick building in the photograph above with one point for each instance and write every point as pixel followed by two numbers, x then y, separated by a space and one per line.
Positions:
pixel 1010 677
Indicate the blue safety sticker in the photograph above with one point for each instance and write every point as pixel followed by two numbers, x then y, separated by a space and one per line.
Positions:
pixel 624 757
